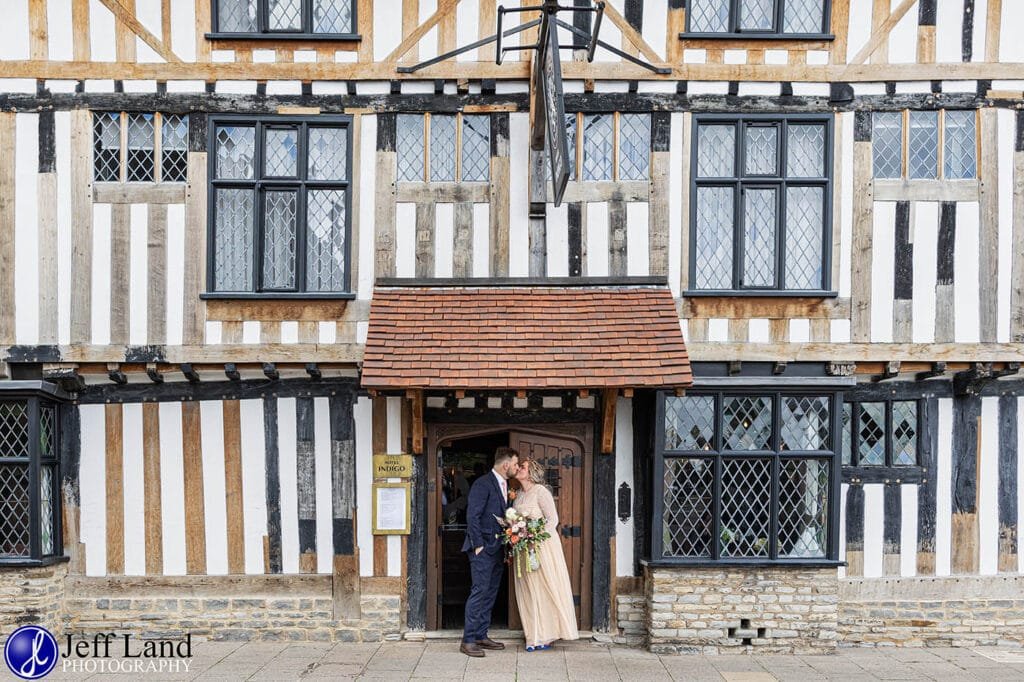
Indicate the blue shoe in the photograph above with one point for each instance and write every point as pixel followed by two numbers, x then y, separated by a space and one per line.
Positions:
pixel 531 649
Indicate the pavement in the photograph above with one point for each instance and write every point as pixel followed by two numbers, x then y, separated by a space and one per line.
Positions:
pixel 582 660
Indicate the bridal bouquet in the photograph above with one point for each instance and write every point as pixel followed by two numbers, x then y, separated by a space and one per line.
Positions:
pixel 521 535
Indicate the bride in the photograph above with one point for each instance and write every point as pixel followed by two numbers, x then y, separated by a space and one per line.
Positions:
pixel 544 596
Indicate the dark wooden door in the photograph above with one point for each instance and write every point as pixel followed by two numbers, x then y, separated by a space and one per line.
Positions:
pixel 566 464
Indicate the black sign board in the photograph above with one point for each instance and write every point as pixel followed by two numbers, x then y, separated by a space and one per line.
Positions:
pixel 554 112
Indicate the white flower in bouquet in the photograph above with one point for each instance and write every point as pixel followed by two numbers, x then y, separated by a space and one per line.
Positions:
pixel 520 525
pixel 511 514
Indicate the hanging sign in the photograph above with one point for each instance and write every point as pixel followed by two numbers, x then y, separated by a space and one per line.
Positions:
pixel 554 112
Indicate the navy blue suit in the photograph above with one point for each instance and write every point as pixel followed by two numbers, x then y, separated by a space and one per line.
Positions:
pixel 485 503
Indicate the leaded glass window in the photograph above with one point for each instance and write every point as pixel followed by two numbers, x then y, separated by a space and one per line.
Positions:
pixel 761 209
pixel 30 524
pixel 881 433
pixel 140 147
pixel 758 17
pixel 746 476
pixel 285 18
pixel 459 148
pixel 281 206
pixel 614 147
pixel 938 145
pixel 598 146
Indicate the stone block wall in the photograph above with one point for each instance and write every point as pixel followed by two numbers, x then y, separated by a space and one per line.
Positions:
pixel 936 611
pixel 284 617
pixel 736 609
pixel 31 596
pixel 632 619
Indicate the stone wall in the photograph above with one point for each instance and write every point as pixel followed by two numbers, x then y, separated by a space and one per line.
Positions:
pixel 938 611
pixel 730 609
pixel 31 596
pixel 631 619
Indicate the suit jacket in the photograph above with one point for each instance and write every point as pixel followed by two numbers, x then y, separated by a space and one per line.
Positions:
pixel 485 502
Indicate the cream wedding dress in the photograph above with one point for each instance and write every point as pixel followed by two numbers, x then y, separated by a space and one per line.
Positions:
pixel 544 596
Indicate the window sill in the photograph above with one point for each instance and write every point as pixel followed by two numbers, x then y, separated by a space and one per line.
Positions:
pixel 218 296
pixel 759 293
pixel 750 563
pixel 33 563
pixel 319 37
pixel 902 189
pixel 820 37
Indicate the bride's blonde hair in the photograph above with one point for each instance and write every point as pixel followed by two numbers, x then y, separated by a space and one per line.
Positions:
pixel 535 470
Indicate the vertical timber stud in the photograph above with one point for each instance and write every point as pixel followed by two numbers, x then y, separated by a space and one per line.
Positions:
pixel 892 528
pixel 70 463
pixel 120 262
pixel 944 287
pixel 988 222
pixel 233 491
pixel 416 406
pixel 1017 264
pixel 661 138
pixel 81 230
pixel 1008 483
pixel 926 31
pixel 115 489
pixel 538 266
pixel 855 530
pixel 379 430
pixel 195 509
pixel 927 490
pixel 575 239
pixel 47 202
pixel 426 224
pixel 345 582
pixel 499 210
pixel 305 478
pixel 604 520
pixel 863 209
pixel 384 211
pixel 7 255
pixel 618 263
pixel 152 492
pixel 462 251
pixel 676 25
pixel 967 33
pixel 156 297
pixel 194 329
pixel 609 398
pixel 273 485
pixel 903 289
pixel 966 447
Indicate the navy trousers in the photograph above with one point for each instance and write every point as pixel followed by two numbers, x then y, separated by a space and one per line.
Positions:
pixel 486 570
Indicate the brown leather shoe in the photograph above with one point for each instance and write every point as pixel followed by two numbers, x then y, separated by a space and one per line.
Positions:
pixel 489 644
pixel 471 649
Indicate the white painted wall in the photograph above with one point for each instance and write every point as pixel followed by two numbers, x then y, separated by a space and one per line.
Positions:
pixel 623 474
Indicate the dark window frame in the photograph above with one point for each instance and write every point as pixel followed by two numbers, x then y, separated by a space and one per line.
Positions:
pixel 889 469
pixel 263 32
pixel 740 180
pixel 35 399
pixel 776 455
pixel 260 184
pixel 776 33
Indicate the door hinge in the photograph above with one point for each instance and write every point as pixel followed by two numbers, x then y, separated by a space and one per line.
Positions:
pixel 571 531
pixel 576 599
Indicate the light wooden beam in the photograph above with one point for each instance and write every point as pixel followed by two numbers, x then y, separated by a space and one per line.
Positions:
pixel 609 397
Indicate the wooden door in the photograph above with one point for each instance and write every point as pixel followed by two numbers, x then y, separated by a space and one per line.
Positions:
pixel 566 464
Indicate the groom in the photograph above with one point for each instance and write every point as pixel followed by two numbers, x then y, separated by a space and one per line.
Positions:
pixel 488 498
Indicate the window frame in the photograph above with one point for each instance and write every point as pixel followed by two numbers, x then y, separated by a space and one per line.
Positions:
pixel 907 473
pixel 776 455
pixel 740 180
pixel 735 32
pixel 425 118
pixel 940 160
pixel 123 147
pixel 577 146
pixel 263 32
pixel 259 185
pixel 35 395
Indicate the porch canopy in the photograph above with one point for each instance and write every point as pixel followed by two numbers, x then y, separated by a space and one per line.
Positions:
pixel 502 334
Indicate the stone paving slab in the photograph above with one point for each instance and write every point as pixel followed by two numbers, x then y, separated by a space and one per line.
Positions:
pixel 583 660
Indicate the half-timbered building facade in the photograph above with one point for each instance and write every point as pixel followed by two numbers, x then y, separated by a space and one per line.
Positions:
pixel 767 345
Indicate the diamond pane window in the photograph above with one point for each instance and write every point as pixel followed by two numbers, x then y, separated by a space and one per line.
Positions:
pixel 803 16
pixel 29 474
pixel 783 182
pixel 904 433
pixel 690 422
pixel 689 498
pixel 634 146
pixel 279 238
pixel 960 151
pixel 328 154
pixel 871 434
pixel 410 148
pixel 107 146
pixel 924 144
pixel 803 508
pixel 845 429
pixel 757 15
pixel 236 16
pixel 714 234
pixel 233 239
pixel 716 151
pixel 746 423
pixel 285 15
pixel 332 16
pixel 281 212
pixel 799 17
pixel 174 148
pixel 442 148
pixel 598 146
pixel 759 238
pixel 748 494
pixel 141 156
pixel 476 148
pixel 292 18
pixel 746 510
pixel 708 16
pixel 887 144
pixel 325 241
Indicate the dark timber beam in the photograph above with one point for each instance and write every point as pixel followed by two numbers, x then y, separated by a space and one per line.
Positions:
pixel 231 372
pixel 153 373
pixel 937 370
pixel 190 373
pixel 270 370
pixel 116 375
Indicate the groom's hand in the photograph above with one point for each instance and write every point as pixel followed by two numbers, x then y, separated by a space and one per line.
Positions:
pixel 478 550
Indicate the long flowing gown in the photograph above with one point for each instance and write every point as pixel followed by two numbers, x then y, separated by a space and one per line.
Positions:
pixel 544 596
